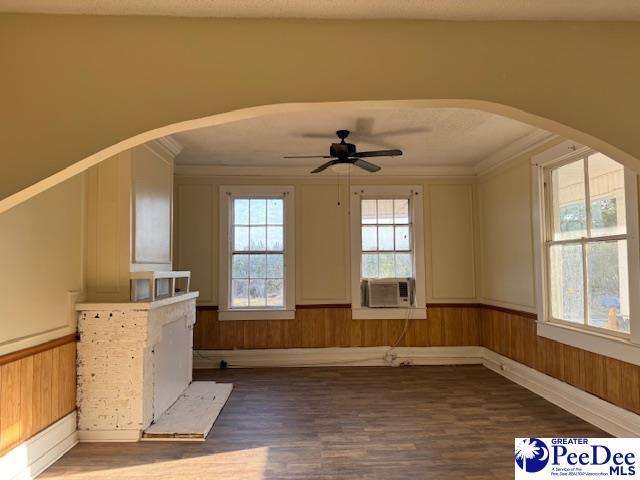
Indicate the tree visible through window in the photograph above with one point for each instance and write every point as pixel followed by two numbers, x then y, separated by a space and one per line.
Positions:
pixel 257 256
pixel 587 246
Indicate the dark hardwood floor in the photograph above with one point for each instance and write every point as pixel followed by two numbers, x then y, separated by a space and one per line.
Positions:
pixel 345 423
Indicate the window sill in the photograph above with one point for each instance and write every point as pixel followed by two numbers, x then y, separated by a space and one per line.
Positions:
pixel 609 346
pixel 272 314
pixel 364 313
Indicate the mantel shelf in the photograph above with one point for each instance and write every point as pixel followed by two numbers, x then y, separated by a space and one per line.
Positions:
pixel 127 306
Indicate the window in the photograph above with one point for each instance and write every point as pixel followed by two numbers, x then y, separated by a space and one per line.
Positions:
pixel 257 248
pixel 386 238
pixel 387 242
pixel 585 211
pixel 587 243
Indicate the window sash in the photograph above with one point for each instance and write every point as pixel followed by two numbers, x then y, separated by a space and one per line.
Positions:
pixel 550 230
pixel 233 252
pixel 393 224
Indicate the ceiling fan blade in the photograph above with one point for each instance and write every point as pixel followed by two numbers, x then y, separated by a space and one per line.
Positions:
pixel 378 153
pixel 309 156
pixel 318 135
pixel 364 126
pixel 402 131
pixel 369 167
pixel 324 166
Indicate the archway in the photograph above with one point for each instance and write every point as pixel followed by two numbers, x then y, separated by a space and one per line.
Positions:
pixel 237 115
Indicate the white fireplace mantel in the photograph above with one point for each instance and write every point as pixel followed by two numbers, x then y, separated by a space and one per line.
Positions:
pixel 134 361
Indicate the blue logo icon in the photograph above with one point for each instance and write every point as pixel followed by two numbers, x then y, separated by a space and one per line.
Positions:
pixel 532 455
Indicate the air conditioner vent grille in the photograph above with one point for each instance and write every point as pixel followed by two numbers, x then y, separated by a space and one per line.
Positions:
pixel 403 287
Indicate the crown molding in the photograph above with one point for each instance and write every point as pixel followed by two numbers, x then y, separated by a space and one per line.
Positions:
pixel 171 144
pixel 166 147
pixel 304 171
pixel 523 145
pixel 513 150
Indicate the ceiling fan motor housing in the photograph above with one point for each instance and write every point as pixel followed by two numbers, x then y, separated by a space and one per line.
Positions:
pixel 342 149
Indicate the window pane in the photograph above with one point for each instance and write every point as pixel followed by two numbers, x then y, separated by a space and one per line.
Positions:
pixel 274 239
pixel 240 266
pixel 258 237
pixel 403 265
pixel 240 293
pixel 257 266
pixel 385 211
pixel 567 292
pixel 368 214
pixel 401 210
pixel 274 211
pixel 240 239
pixel 387 265
pixel 606 191
pixel 256 293
pixel 569 211
pixel 369 238
pixel 275 266
pixel 275 293
pixel 258 211
pixel 369 265
pixel 402 238
pixel 385 238
pixel 608 285
pixel 241 211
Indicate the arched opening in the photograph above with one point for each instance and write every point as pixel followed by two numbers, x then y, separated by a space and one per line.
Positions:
pixel 263 111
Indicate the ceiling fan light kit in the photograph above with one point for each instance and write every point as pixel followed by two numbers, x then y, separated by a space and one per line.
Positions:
pixel 347 153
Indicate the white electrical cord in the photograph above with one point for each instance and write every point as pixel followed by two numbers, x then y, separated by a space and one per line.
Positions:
pixel 389 356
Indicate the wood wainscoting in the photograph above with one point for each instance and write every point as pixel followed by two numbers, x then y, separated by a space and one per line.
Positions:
pixel 514 335
pixel 37 388
pixel 508 332
pixel 332 326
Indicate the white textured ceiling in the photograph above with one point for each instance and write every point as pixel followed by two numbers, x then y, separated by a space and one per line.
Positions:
pixel 429 137
pixel 348 9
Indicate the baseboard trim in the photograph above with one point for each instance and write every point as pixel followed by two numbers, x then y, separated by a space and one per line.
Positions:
pixel 613 419
pixel 31 458
pixel 338 356
pixel 109 436
pixel 610 418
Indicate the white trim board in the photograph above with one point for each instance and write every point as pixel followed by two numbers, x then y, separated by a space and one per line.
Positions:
pixel 107 436
pixel 31 458
pixel 607 416
pixel 348 357
pixel 610 418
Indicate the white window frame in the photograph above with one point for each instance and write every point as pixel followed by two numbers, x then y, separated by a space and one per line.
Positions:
pixel 625 347
pixel 418 311
pixel 227 195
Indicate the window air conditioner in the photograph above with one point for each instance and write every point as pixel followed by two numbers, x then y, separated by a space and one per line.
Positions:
pixel 387 292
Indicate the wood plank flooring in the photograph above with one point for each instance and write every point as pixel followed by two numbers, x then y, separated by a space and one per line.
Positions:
pixel 345 423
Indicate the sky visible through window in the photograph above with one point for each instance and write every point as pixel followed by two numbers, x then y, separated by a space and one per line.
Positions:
pixel 257 260
pixel 386 238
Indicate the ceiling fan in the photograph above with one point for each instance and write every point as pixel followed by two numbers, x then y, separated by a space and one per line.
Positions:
pixel 346 153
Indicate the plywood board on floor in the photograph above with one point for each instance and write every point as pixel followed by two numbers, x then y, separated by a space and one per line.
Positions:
pixel 192 416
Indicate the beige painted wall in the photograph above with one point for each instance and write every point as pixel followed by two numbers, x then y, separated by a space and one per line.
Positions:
pixel 505 233
pixel 79 84
pixel 152 184
pixel 322 236
pixel 41 259
pixel 506 240
pixel 129 217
